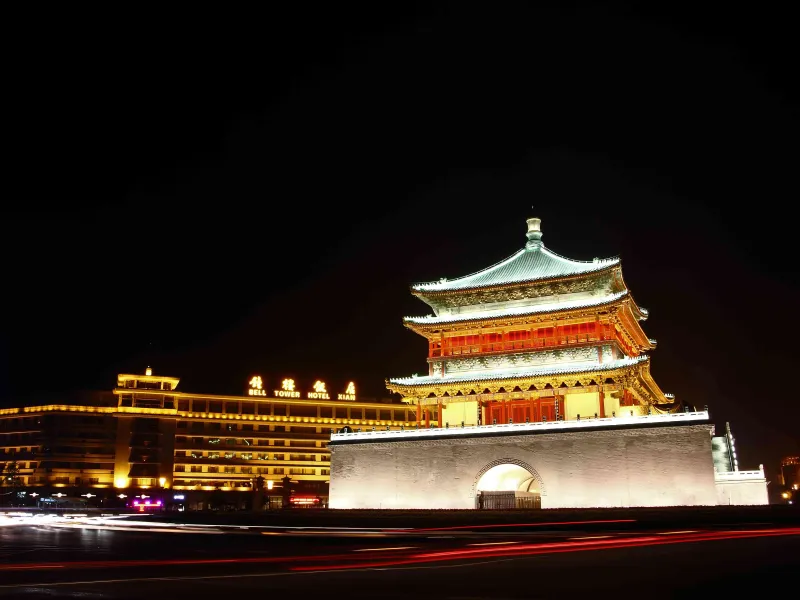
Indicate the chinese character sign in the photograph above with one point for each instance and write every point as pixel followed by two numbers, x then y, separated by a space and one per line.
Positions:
pixel 256 387
pixel 287 389
pixel 319 393
pixel 349 392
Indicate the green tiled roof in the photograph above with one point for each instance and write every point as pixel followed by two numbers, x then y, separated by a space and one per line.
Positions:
pixel 534 262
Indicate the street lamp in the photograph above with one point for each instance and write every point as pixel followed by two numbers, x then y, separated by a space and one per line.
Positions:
pixel 121 496
pixel 88 495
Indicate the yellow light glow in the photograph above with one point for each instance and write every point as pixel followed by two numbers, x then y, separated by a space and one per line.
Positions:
pixel 162 481
pixel 148 372
pixel 319 387
pixel 785 494
pixel 351 388
pixel 287 385
pixel 270 484
pixel 256 382
pixel 121 482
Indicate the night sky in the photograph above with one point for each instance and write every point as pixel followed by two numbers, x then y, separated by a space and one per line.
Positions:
pixel 219 195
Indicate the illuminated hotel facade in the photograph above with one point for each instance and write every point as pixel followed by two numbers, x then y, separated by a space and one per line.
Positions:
pixel 147 437
pixel 538 393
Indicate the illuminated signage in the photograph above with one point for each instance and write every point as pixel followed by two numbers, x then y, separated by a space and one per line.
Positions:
pixel 319 393
pixel 287 390
pixel 256 387
pixel 349 393
pixel 303 500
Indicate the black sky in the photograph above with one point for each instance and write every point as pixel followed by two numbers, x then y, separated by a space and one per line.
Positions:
pixel 224 194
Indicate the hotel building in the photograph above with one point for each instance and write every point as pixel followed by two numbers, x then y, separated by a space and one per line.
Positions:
pixel 147 436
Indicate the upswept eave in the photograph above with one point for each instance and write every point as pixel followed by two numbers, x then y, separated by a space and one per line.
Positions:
pixel 442 293
pixel 426 321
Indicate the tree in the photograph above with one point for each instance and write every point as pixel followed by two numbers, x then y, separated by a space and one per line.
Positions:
pixel 10 475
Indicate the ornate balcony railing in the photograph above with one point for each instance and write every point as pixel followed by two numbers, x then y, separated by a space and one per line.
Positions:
pixel 543 426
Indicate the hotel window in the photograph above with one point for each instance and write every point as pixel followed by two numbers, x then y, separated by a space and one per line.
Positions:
pixel 197 440
pixel 215 407
pixel 180 468
pixel 199 406
pixel 213 441
pixel 230 455
pixel 213 455
pixel 247 455
pixel 182 425
pixel 263 456
pixel 248 408
pixel 277 471
pixel 197 454
pixel 247 427
pixel 279 456
pixel 230 442
pixel 196 469
pixel 325 472
pixel 213 469
pixel 247 469
pixel 183 405
pixel 301 471
pixel 230 469
pixel 232 407
pixel 303 410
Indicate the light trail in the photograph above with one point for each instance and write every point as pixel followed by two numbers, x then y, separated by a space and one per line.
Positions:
pixel 552 548
pixel 493 544
pixel 384 549
pixel 496 525
pixel 346 561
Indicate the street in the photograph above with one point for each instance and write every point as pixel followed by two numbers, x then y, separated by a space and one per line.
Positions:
pixel 131 558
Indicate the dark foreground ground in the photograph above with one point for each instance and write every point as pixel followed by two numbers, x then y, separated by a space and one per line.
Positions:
pixel 450 555
pixel 688 515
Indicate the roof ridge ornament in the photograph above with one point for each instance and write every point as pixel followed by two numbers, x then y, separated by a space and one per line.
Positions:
pixel 534 234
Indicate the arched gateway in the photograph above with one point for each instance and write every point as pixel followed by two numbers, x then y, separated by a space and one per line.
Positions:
pixel 507 483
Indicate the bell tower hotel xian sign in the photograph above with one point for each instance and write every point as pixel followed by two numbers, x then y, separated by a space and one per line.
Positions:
pixel 289 389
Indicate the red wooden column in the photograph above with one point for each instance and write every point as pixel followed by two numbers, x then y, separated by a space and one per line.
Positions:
pixel 601 396
pixel 419 412
pixel 439 414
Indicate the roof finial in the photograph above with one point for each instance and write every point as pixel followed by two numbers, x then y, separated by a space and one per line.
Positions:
pixel 534 233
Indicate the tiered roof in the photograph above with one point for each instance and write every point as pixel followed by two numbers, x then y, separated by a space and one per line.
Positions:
pixel 518 373
pixel 531 264
pixel 523 311
pixel 532 282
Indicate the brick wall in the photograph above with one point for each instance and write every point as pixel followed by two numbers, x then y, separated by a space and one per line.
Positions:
pixel 656 466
